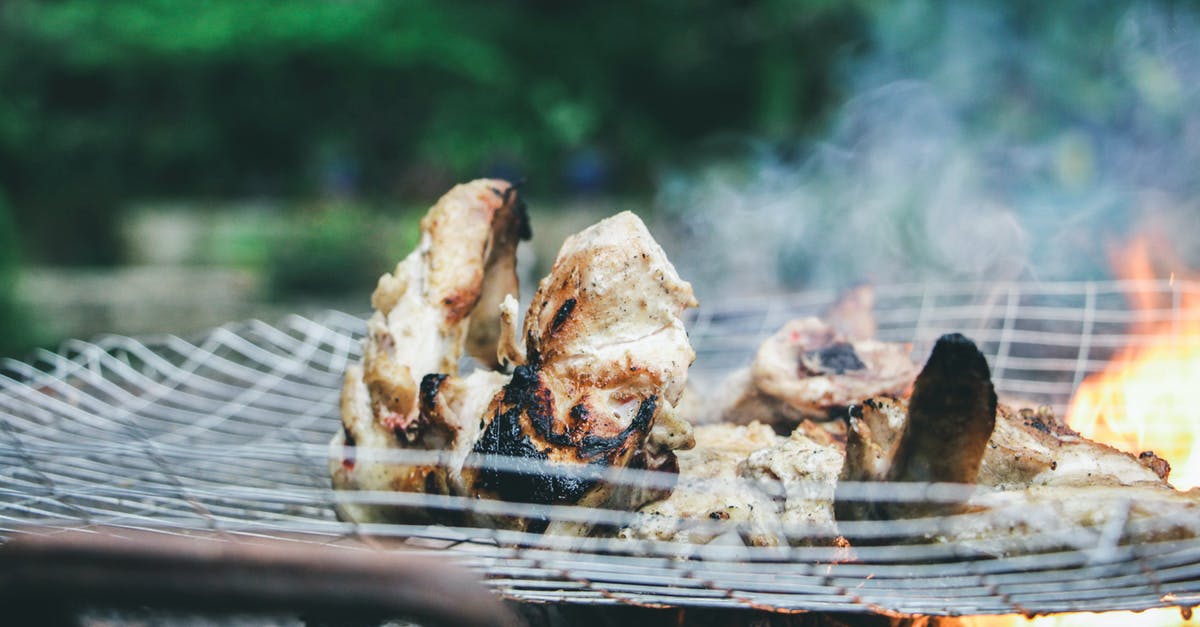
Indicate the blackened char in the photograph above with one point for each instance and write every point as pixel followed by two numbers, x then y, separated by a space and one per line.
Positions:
pixel 526 394
pixel 524 231
pixel 837 358
pixel 950 419
pixel 526 475
pixel 431 384
pixel 593 446
pixel 524 478
pixel 561 316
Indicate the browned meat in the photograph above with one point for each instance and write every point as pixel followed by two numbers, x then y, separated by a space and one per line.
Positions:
pixel 1030 447
pixel 406 392
pixel 809 370
pixel 747 483
pixel 604 359
pixel 873 439
pixel 950 419
pixel 1041 485
pixel 710 491
pixel 941 439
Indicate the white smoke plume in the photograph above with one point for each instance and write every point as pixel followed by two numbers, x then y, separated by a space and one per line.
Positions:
pixel 970 149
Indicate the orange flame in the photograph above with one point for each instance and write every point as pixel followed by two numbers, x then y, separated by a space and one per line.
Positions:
pixel 1162 617
pixel 1146 398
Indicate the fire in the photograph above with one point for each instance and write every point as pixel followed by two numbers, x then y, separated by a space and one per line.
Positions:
pixel 1162 617
pixel 1145 399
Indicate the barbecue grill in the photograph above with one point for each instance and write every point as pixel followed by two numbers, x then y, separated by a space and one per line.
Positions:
pixel 225 436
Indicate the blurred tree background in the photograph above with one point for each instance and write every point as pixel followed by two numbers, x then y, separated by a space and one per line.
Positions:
pixel 108 101
pixel 335 122
pixel 336 110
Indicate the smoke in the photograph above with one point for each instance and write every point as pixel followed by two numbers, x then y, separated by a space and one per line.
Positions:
pixel 979 142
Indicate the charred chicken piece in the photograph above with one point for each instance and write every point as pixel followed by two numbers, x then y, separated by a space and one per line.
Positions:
pixel 1053 488
pixel 406 393
pixel 605 356
pixel 941 439
pixel 1031 447
pixel 606 359
pixel 808 369
pixel 951 415
pixel 1041 485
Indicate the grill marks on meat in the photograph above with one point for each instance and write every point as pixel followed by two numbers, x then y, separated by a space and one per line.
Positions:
pixel 525 478
pixel 596 448
pixel 564 312
pixel 604 359
pixel 524 430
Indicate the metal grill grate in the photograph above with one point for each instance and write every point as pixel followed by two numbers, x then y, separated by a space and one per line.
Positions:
pixel 226 436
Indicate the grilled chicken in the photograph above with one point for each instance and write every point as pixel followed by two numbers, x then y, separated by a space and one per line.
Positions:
pixel 604 358
pixel 800 473
pixel 815 368
pixel 1041 485
pixel 426 311
pixel 710 490
pixel 1030 447
pixel 749 484
pixel 942 440
pixel 743 483
pixel 939 435
pixel 809 370
pixel 1049 488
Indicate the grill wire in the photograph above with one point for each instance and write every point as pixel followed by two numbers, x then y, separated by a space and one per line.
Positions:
pixel 225 436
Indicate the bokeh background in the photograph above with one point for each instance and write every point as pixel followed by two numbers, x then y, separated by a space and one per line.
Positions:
pixel 168 165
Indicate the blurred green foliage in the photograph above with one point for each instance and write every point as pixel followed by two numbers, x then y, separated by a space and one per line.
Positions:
pixel 103 102
pixel 382 103
pixel 336 249
pixel 15 327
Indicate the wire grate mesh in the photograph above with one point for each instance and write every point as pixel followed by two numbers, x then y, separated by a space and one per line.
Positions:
pixel 225 435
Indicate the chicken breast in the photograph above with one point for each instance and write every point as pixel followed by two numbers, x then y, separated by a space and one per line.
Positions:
pixel 1028 447
pixel 1031 447
pixel 809 370
pixel 750 485
pixel 603 359
pixel 799 473
pixel 425 310
pixel 711 497
pixel 1041 486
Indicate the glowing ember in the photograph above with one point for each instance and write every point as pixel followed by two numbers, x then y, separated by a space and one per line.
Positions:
pixel 1146 398
pixel 1164 617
